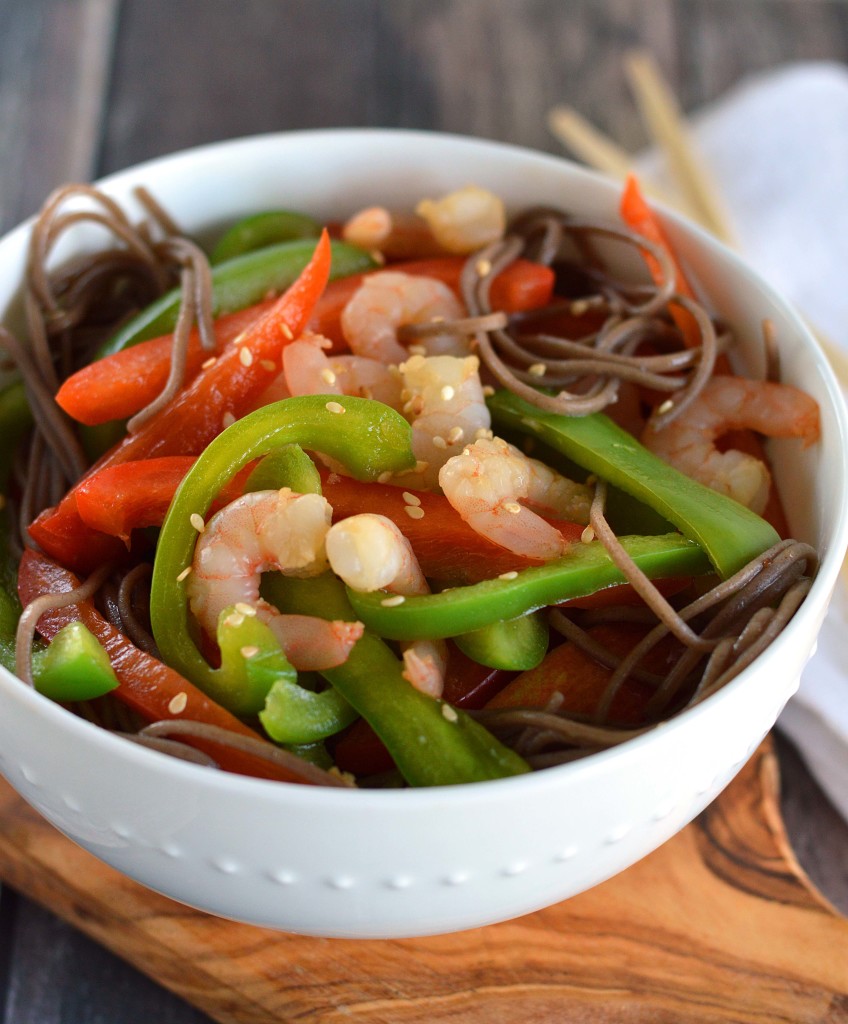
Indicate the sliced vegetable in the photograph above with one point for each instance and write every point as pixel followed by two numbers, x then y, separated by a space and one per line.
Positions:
pixel 293 714
pixel 431 743
pixel 514 644
pixel 261 230
pixel 367 437
pixel 239 283
pixel 729 533
pixel 75 667
pixel 585 569
pixel 288 466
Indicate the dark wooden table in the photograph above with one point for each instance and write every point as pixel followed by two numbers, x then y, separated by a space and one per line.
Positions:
pixel 91 86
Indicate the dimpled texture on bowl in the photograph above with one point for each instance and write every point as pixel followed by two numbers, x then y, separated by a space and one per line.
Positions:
pixel 376 864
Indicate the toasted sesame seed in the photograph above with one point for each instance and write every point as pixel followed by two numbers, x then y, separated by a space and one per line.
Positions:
pixel 488 390
pixel 184 574
pixel 511 575
pixel 268 364
pixel 393 601
pixel 178 702
pixel 227 420
pixel 420 466
pixel 377 257
pixel 245 357
pixel 538 369
pixel 334 407
pixel 411 499
pixel 384 478
pixel 512 506
pixel 439 442
pixel 208 362
pixel 417 350
pixel 414 512
pixel 665 407
pixel 579 307
pixel 482 434
pixel 234 620
pixel 249 651
pixel 483 267
pixel 447 393
pixel 449 713
pixel 243 608
pixel 196 520
pixel 328 376
pixel 287 331
pixel 588 535
pixel 456 434
pixel 437 319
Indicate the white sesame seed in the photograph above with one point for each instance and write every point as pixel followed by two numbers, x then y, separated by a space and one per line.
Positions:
pixel 665 407
pixel 417 350
pixel 249 651
pixel 196 520
pixel 334 407
pixel 328 376
pixel 512 506
pixel 245 357
pixel 588 535
pixel 447 393
pixel 234 620
pixel 437 319
pixel 411 499
pixel 456 434
pixel 439 442
pixel 449 713
pixel 227 420
pixel 377 257
pixel 414 512
pixel 287 331
pixel 420 466
pixel 480 433
pixel 268 364
pixel 579 307
pixel 483 267
pixel 208 362
pixel 393 602
pixel 184 574
pixel 538 369
pixel 178 702
pixel 384 478
pixel 488 390
pixel 243 608
pixel 511 575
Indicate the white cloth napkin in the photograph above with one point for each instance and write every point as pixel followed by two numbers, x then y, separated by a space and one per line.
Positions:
pixel 777 148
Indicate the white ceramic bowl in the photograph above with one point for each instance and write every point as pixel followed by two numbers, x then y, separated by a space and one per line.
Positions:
pixel 398 863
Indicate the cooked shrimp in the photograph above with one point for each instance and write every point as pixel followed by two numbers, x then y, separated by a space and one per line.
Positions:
pixel 486 485
pixel 370 553
pixel 308 370
pixel 734 403
pixel 388 300
pixel 443 399
pixel 465 220
pixel 262 531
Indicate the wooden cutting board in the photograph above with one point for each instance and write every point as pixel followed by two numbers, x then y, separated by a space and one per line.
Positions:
pixel 718 925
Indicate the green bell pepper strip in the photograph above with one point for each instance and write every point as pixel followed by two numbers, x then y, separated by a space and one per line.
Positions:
pixel 514 645
pixel 432 743
pixel 252 661
pixel 239 283
pixel 261 230
pixel 368 438
pixel 74 667
pixel 731 534
pixel 288 466
pixel 585 569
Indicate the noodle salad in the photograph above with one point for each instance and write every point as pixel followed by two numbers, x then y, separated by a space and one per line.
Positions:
pixel 419 498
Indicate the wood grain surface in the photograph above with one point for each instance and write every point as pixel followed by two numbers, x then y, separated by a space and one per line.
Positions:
pixel 89 86
pixel 718 925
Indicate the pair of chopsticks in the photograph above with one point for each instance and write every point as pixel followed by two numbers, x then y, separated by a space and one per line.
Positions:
pixel 697 196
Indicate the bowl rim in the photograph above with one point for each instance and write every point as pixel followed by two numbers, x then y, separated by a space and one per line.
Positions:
pixel 492 790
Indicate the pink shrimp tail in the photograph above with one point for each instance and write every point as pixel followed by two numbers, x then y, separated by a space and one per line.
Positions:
pixel 313 644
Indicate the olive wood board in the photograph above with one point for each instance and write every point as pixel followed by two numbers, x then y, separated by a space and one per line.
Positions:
pixel 720 924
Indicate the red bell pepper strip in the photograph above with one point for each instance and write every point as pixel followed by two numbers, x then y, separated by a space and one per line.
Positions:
pixel 146 685
pixel 447 548
pixel 119 385
pixel 638 215
pixel 228 387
